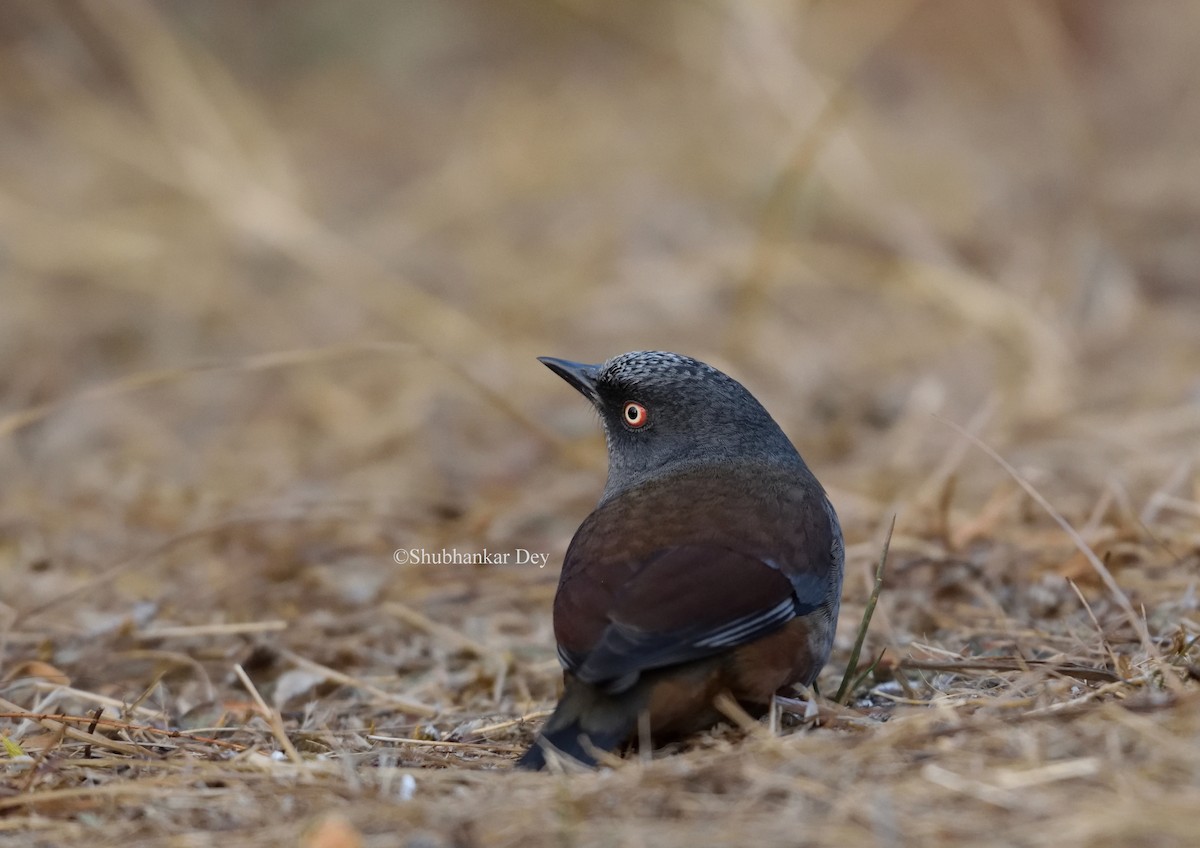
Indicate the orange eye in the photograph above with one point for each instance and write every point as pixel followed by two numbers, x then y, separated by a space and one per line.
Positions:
pixel 634 414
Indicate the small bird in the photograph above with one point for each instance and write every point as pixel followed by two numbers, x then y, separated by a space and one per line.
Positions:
pixel 713 562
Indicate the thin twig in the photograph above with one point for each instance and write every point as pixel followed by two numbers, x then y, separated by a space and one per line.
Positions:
pixel 93 721
pixel 53 723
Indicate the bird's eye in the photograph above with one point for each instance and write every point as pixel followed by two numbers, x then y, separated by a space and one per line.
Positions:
pixel 634 414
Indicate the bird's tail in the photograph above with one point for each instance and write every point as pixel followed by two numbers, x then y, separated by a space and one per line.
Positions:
pixel 586 719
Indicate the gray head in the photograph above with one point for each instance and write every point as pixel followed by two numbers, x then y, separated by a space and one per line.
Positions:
pixel 664 412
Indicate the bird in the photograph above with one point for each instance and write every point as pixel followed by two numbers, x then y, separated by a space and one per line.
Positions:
pixel 712 563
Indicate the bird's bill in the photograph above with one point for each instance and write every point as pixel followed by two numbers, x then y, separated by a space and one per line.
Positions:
pixel 580 375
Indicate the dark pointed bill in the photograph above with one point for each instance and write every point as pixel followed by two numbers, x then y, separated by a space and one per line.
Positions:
pixel 580 375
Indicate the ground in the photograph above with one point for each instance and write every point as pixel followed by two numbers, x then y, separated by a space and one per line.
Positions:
pixel 273 278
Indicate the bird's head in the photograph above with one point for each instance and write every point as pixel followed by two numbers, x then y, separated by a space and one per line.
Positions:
pixel 664 412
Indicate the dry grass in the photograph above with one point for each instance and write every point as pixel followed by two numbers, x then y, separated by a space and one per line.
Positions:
pixel 272 280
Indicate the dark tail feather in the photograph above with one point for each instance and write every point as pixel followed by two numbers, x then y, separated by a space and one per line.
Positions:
pixel 586 719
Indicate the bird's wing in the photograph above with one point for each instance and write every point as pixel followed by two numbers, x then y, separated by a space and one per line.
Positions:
pixel 688 602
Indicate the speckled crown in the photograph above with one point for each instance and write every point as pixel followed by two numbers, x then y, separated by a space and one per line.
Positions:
pixel 656 365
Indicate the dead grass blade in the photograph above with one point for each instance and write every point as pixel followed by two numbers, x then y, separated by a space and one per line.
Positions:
pixel 274 719
pixel 408 705
pixel 1137 622
pixel 1003 664
pixel 848 678
pixel 95 721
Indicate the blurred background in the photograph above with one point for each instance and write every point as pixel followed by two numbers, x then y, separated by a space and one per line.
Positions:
pixel 273 276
